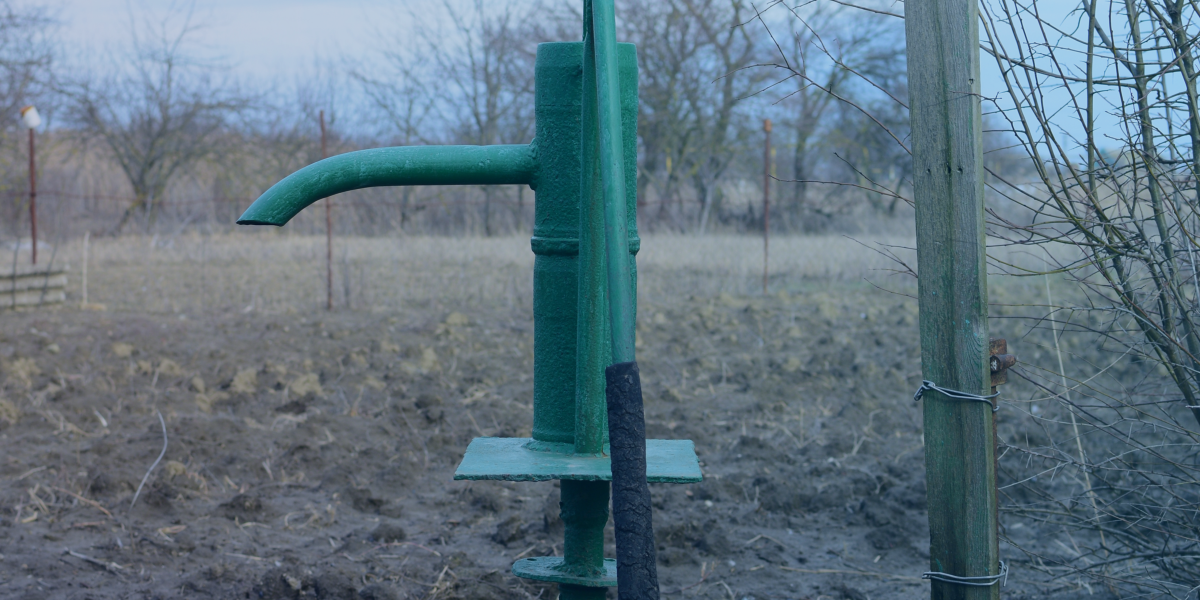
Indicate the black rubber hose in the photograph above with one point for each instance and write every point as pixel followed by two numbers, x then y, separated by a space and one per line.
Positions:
pixel 637 572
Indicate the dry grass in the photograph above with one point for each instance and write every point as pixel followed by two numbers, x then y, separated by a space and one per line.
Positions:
pixel 275 272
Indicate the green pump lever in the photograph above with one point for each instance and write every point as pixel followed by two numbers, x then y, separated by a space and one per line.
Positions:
pixel 407 165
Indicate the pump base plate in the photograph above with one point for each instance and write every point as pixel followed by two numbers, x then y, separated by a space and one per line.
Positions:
pixel 515 459
pixel 549 568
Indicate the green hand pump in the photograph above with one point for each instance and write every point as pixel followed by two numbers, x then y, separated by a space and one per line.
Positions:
pixel 584 283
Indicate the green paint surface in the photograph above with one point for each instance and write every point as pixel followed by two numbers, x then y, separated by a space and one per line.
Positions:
pixel 408 165
pixel 552 568
pixel 573 342
pixel 511 459
pixel 564 329
pixel 555 242
pixel 594 340
pixel 610 95
pixel 584 513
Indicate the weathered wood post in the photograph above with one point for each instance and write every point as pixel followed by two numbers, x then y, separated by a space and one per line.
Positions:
pixel 766 198
pixel 943 78
pixel 328 228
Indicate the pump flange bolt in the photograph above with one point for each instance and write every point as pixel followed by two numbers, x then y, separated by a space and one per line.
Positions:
pixel 1001 362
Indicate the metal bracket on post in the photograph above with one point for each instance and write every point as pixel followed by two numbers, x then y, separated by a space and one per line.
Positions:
pixel 999 361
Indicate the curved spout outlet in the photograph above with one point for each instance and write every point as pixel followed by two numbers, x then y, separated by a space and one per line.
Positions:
pixel 407 165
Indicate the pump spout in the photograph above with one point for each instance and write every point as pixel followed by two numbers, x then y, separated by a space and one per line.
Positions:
pixel 407 165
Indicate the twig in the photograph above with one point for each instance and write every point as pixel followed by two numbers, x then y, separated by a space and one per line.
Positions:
pixel 394 544
pixel 245 556
pixel 876 11
pixel 765 537
pixel 850 572
pixel 86 501
pixel 732 596
pixel 31 472
pixel 108 566
pixel 156 461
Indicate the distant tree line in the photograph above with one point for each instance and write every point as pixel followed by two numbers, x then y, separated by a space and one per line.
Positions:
pixel 156 137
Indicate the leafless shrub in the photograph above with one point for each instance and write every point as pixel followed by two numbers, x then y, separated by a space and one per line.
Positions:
pixel 1099 468
pixel 161 112
pixel 1105 106
pixel 27 54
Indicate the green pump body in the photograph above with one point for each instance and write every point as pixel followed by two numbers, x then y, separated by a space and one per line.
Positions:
pixel 559 324
pixel 572 341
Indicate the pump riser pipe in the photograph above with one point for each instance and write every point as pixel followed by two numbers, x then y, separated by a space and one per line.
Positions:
pixel 612 172
pixel 584 511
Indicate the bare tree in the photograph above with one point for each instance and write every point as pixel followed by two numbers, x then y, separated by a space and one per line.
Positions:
pixel 1099 451
pixel 159 116
pixel 27 57
pixel 694 86
pixel 487 82
pixel 725 132
pixel 1106 108
pixel 842 77
pixel 399 92
pixel 668 63
pixel 469 80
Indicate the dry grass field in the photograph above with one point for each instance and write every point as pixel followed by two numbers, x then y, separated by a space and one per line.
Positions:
pixel 310 453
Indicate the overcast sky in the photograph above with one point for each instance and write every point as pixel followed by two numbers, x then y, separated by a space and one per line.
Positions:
pixel 280 39
pixel 258 37
pixel 265 37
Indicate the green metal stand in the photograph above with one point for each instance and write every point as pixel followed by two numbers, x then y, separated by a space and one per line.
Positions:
pixel 570 426
pixel 566 167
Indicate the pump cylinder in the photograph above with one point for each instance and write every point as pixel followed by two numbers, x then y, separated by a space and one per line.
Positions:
pixel 558 110
pixel 555 240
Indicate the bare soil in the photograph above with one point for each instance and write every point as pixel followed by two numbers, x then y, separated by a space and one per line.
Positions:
pixel 310 454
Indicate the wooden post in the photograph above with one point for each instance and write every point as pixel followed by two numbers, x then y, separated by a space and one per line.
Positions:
pixel 943 79
pixel 33 196
pixel 328 229
pixel 766 197
pixel 87 237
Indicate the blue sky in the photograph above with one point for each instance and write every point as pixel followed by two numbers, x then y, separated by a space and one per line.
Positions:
pixel 266 37
pixel 280 40
pixel 257 37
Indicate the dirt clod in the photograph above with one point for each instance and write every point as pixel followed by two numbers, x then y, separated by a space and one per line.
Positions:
pixel 295 407
pixel 378 591
pixel 244 507
pixel 510 530
pixel 245 382
pixel 388 533
pixel 363 500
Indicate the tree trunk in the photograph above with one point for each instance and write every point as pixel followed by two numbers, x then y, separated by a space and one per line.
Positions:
pixel 405 196
pixel 800 173
pixel 487 211
pixel 139 201
pixel 705 208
